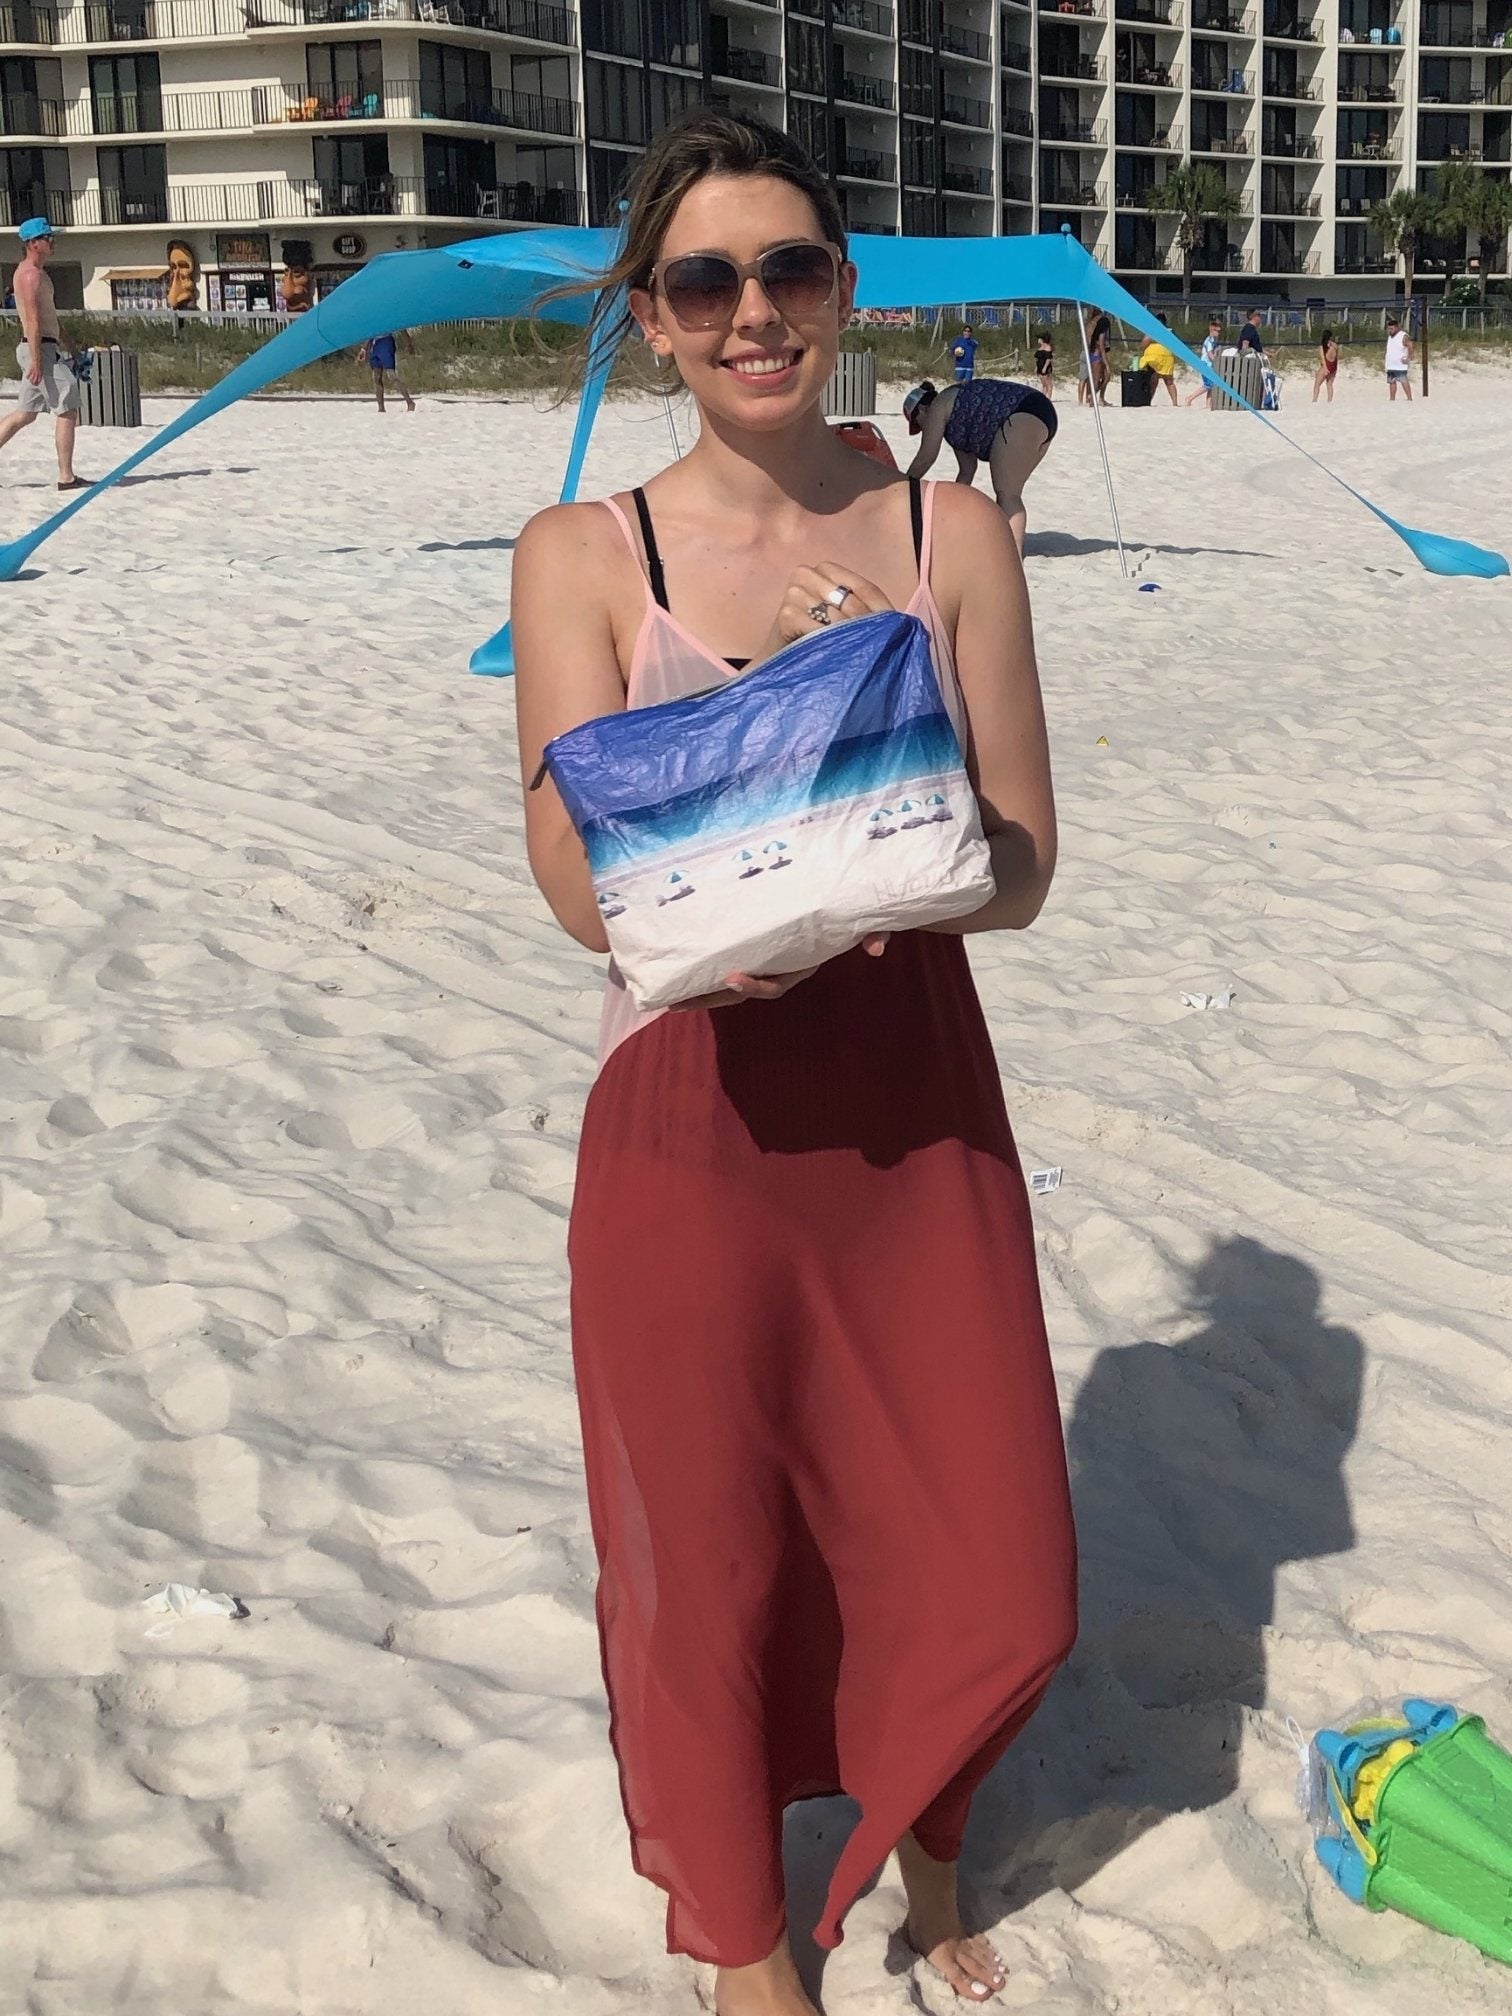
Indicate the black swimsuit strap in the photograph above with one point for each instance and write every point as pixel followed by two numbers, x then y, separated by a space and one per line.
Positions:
pixel 916 512
pixel 653 558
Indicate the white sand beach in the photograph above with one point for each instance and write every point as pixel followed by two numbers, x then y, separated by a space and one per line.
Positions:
pixel 292 1062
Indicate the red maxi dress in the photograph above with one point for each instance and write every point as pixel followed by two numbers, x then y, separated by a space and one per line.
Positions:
pixel 824 1456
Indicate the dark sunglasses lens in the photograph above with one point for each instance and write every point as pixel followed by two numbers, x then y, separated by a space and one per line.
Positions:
pixel 700 289
pixel 797 279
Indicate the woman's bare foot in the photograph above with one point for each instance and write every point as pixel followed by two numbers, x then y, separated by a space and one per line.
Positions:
pixel 972 1966
pixel 770 1988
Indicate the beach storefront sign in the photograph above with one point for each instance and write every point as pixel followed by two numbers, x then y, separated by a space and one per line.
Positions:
pixel 775 821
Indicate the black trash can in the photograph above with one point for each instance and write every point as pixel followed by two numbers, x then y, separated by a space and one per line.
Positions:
pixel 112 396
pixel 1135 388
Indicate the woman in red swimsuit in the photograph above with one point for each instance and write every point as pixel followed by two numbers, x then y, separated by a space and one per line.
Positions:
pixel 823 1449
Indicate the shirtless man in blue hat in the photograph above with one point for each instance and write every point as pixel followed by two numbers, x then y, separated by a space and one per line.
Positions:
pixel 48 383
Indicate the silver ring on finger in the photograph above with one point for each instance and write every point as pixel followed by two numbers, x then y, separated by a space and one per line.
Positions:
pixel 836 596
pixel 818 612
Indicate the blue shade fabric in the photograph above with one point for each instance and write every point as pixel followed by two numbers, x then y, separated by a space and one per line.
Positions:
pixel 504 275
pixel 771 823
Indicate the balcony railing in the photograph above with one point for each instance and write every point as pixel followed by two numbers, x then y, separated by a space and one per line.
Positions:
pixel 531 20
pixel 1377 263
pixel 963 181
pixel 1222 21
pixel 965 111
pixel 1291 206
pixel 967 42
pixel 1074 196
pixel 1018 189
pixel 1018 123
pixel 1224 83
pixel 1016 56
pixel 1166 140
pixel 1290 31
pixel 114 21
pixel 1087 10
pixel 748 66
pixel 1149 13
pixel 863 15
pixel 302 200
pixel 862 165
pixel 1150 76
pixel 1384 151
pixel 1364 94
pixel 1076 132
pixel 1231 144
pixel 1290 262
pixel 110 115
pixel 1291 147
pixel 1435 36
pixel 857 89
pixel 29 117
pixel 1300 90
pixel 1084 69
pixel 1230 259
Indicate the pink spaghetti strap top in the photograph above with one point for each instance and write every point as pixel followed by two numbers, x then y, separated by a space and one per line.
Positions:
pixel 669 662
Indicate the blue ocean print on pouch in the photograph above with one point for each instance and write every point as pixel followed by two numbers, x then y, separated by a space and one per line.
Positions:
pixel 827 728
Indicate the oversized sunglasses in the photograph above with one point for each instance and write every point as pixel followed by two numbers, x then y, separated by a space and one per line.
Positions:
pixel 703 289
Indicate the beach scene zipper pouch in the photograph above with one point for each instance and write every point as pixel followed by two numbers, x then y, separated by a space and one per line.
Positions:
pixel 775 821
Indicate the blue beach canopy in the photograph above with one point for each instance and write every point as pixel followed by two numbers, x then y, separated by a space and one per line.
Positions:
pixel 504 275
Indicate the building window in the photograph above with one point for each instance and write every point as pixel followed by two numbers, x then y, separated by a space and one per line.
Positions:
pixel 353 176
pixel 343 75
pixel 806 64
pixel 606 178
pixel 674 34
pixel 36 181
pixel 809 124
pixel 126 94
pixel 455 83
pixel 461 178
pixel 672 96
pixel 133 185
pixel 614 26
pixel 616 96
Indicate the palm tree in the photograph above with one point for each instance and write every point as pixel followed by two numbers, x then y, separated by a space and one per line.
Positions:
pixel 1479 205
pixel 1191 195
pixel 1404 219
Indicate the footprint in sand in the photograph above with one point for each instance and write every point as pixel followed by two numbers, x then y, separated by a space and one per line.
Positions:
pixel 176 1195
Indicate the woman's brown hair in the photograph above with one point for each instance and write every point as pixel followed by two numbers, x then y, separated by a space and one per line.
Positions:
pixel 703 142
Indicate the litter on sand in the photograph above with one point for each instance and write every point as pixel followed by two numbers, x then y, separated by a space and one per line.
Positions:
pixel 1223 1000
pixel 179 1599
pixel 1042 1181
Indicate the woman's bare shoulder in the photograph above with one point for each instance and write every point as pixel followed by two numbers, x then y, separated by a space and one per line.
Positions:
pixel 563 532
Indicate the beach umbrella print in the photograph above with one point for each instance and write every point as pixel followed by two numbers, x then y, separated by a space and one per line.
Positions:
pixel 677 885
pixel 780 849
pixel 748 864
pixel 912 816
pixel 610 905
pixel 941 811
pixel 878 824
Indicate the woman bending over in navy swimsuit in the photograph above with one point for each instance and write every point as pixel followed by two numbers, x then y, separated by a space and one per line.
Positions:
pixel 993 420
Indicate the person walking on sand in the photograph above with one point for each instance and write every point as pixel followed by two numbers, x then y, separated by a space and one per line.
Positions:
pixel 993 420
pixel 1398 359
pixel 1328 366
pixel 1093 372
pixel 1044 362
pixel 963 356
pixel 48 380
pixel 382 354
pixel 1210 344
pixel 829 1560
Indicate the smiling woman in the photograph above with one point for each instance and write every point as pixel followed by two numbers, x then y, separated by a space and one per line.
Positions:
pixel 823 1451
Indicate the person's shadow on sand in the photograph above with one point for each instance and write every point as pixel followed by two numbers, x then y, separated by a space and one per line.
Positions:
pixel 1197 1469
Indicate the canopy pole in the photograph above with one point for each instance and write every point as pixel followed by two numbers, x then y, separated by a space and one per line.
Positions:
pixel 1102 446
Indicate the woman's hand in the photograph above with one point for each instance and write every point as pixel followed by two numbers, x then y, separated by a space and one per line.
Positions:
pixel 820 588
pixel 772 986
